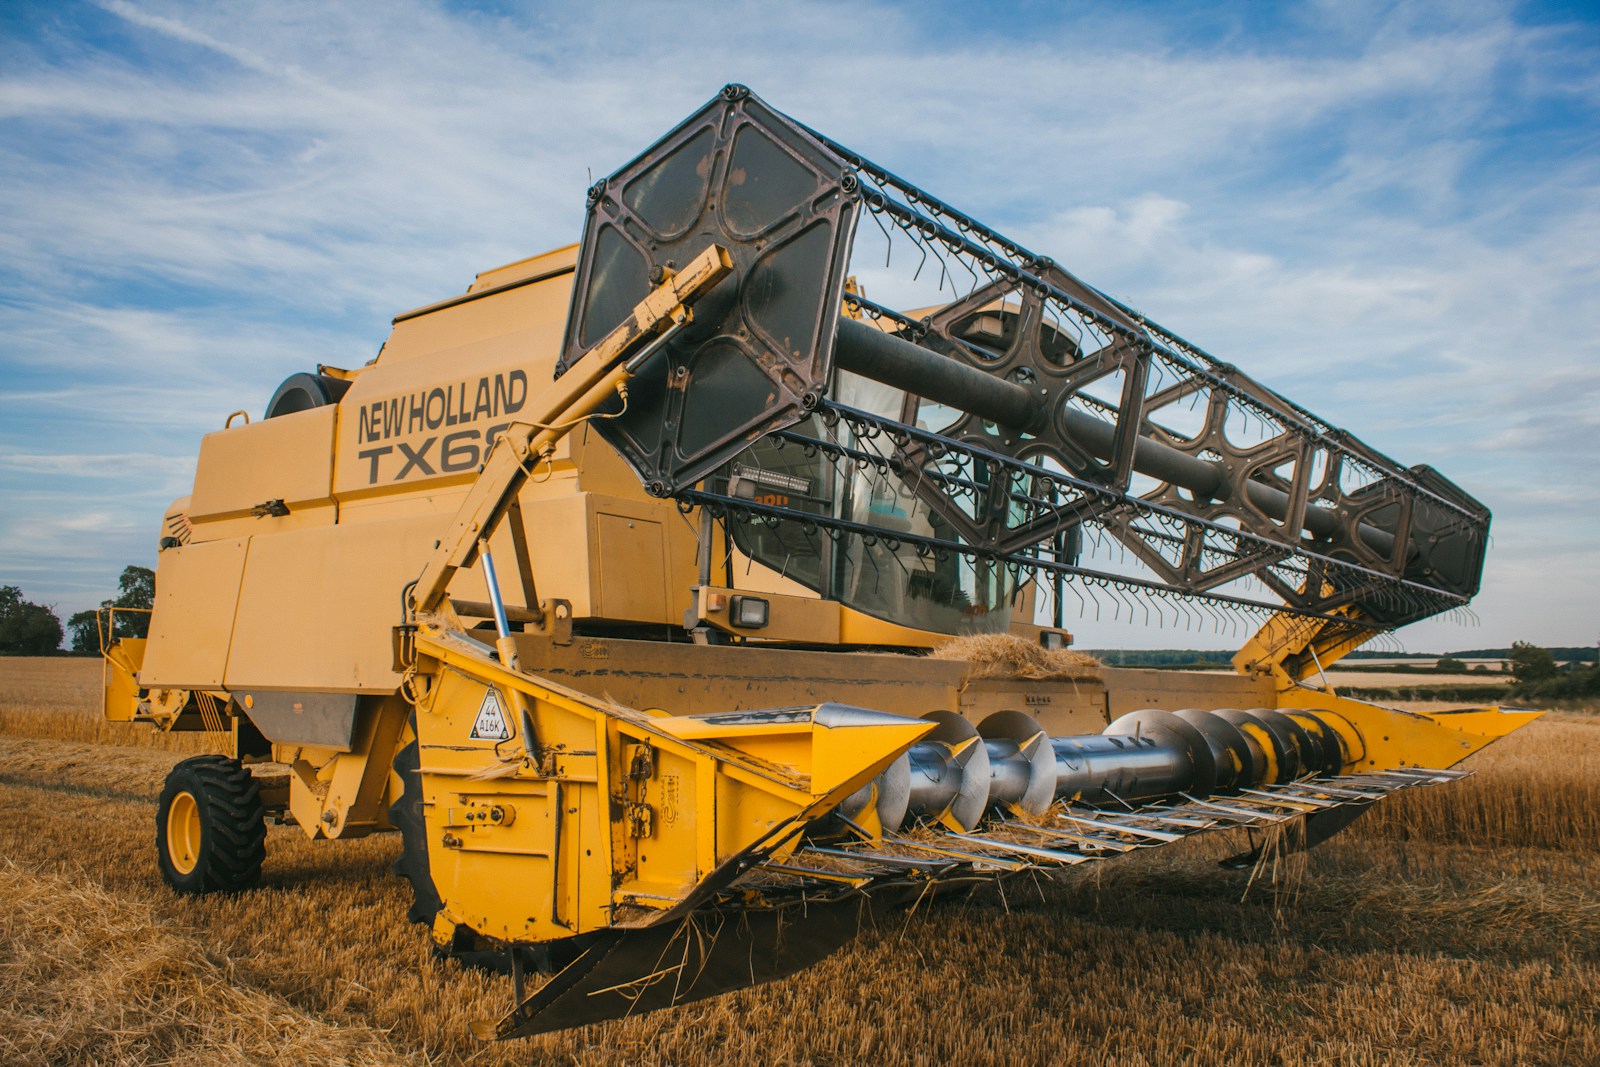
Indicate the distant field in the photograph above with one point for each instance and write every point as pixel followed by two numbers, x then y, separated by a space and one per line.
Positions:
pixel 1378 679
pixel 1400 679
pixel 1424 663
pixel 1452 925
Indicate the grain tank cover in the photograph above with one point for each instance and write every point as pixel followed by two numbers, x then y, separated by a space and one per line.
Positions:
pixel 758 355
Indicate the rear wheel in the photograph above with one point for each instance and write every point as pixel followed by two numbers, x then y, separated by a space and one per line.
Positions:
pixel 211 827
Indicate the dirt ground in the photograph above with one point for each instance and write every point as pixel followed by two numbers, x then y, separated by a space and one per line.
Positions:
pixel 1458 924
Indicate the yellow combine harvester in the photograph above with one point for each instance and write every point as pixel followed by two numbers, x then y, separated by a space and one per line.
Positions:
pixel 610 584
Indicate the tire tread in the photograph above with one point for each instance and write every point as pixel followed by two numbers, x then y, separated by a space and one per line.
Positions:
pixel 233 821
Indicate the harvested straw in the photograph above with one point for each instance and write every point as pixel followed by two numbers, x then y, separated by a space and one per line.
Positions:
pixel 1008 656
pixel 91 977
pixel 1457 924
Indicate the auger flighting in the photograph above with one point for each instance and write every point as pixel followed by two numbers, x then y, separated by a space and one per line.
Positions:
pixel 1007 765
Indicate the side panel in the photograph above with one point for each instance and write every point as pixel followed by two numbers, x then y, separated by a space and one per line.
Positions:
pixel 415 428
pixel 1062 706
pixel 119 677
pixel 447 382
pixel 1135 690
pixel 633 573
pixel 540 306
pixel 317 606
pixel 281 463
pixel 558 546
pixel 686 678
pixel 196 594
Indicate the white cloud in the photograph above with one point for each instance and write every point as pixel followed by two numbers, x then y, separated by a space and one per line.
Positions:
pixel 144 466
pixel 204 199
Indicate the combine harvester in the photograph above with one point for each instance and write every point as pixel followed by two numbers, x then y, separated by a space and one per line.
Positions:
pixel 609 584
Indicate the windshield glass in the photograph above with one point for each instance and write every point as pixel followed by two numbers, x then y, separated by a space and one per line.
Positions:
pixel 946 595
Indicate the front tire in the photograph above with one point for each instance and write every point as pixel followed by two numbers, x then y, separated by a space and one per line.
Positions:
pixel 406 815
pixel 211 828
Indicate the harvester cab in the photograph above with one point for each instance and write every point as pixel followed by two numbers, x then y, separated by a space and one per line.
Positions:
pixel 558 586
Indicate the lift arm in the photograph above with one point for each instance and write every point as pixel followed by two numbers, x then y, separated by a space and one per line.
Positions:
pixel 565 405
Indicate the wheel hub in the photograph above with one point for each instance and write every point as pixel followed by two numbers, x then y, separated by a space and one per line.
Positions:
pixel 183 832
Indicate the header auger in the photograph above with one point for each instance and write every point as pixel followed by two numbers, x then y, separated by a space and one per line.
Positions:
pixel 556 586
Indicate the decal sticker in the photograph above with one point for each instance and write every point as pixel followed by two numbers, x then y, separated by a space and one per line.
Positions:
pixel 382 423
pixel 491 724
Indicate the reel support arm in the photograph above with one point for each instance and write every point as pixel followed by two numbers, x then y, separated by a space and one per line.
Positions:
pixel 563 407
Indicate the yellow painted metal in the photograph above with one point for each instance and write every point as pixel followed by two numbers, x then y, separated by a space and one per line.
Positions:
pixel 809 620
pixel 197 597
pixel 1392 738
pixel 1269 748
pixel 585 815
pixel 309 769
pixel 1355 746
pixel 827 758
pixel 315 606
pixel 530 316
pixel 575 397
pixel 1133 689
pixel 164 706
pixel 1490 722
pixel 1352 747
pixel 248 474
pixel 183 832
pixel 346 794
pixel 120 677
pixel 563 258
pixel 683 678
pixel 1290 648
pixel 859 628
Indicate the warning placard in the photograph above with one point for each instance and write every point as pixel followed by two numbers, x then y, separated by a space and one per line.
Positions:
pixel 491 724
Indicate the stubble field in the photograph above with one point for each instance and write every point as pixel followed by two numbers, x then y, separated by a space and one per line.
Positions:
pixel 1452 925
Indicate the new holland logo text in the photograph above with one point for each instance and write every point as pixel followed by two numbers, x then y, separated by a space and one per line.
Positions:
pixel 457 404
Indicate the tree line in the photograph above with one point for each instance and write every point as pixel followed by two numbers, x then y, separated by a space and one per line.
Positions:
pixel 30 629
pixel 1540 678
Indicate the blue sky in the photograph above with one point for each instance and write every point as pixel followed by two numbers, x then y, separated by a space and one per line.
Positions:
pixel 1389 212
